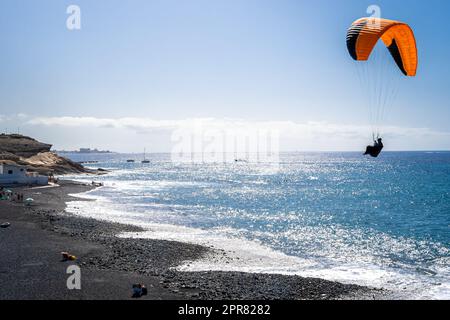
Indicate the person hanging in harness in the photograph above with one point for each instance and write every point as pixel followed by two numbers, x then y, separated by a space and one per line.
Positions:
pixel 375 150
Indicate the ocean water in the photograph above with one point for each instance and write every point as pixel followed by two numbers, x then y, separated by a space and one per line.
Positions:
pixel 339 216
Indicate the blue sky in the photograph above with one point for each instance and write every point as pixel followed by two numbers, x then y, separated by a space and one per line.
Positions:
pixel 165 61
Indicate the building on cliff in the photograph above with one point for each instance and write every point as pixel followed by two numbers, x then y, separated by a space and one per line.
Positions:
pixel 11 174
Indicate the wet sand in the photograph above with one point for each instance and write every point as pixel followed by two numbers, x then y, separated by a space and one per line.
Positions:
pixel 31 266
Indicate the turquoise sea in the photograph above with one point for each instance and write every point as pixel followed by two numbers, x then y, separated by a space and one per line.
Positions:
pixel 383 222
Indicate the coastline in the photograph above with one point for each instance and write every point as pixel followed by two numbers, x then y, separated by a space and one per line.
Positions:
pixel 31 248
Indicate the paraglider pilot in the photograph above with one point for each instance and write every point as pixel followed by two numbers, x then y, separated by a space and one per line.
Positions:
pixel 375 150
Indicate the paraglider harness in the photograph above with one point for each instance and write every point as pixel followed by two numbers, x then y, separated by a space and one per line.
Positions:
pixel 375 150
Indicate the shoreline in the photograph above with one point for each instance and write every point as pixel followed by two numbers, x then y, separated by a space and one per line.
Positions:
pixel 110 265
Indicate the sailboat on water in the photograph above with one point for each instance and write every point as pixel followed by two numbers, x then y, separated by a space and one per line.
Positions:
pixel 145 160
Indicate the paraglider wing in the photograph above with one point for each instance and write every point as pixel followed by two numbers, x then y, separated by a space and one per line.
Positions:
pixel 398 37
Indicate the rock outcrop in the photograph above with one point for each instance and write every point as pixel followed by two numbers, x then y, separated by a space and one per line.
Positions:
pixel 36 156
pixel 22 146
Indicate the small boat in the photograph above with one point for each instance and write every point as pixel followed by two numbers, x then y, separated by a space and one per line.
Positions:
pixel 130 160
pixel 145 160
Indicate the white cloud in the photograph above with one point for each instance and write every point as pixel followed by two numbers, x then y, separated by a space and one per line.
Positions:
pixel 130 133
pixel 289 128
pixel 13 117
pixel 127 123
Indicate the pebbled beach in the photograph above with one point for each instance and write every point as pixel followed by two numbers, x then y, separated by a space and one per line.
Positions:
pixel 31 265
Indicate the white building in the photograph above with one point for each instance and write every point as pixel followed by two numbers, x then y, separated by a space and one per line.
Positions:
pixel 14 174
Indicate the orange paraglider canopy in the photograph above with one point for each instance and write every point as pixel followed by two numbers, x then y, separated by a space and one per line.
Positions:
pixel 398 37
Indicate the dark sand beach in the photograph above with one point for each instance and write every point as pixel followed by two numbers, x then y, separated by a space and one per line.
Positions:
pixel 31 266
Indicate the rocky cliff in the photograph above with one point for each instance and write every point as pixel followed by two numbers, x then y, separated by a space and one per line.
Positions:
pixel 36 156
pixel 22 146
